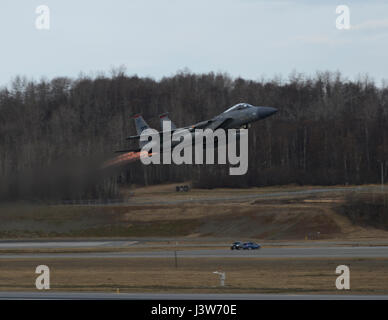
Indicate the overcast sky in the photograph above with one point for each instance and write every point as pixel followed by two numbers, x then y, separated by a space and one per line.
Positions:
pixel 156 38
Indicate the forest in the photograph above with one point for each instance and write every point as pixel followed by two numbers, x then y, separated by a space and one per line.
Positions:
pixel 55 133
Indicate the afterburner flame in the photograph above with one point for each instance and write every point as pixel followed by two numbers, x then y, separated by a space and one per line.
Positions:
pixel 126 158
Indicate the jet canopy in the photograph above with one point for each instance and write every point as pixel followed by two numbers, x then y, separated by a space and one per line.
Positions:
pixel 239 106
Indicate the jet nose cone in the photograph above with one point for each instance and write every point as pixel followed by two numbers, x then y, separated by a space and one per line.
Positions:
pixel 264 112
pixel 271 110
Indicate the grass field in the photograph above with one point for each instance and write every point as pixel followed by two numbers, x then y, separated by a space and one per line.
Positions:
pixel 367 276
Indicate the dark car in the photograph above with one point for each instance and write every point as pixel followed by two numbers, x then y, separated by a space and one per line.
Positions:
pixel 236 245
pixel 250 246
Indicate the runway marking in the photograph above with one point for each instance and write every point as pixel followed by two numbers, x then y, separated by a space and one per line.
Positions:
pixel 179 296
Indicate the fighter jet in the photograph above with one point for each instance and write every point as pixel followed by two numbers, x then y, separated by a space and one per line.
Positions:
pixel 239 116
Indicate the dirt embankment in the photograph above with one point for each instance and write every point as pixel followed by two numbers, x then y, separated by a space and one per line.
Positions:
pixel 293 216
pixel 366 210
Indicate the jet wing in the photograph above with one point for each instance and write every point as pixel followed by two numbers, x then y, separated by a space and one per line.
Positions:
pixel 138 137
pixel 212 124
pixel 133 138
pixel 160 133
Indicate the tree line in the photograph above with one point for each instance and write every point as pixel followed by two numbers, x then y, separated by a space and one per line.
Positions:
pixel 328 130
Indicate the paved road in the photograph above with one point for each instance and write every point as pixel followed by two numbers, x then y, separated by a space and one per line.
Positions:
pixel 253 196
pixel 172 243
pixel 179 296
pixel 319 252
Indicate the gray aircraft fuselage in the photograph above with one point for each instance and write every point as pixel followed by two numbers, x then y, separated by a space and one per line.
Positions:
pixel 236 117
pixel 242 114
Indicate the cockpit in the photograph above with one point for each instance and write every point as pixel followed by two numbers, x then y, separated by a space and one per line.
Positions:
pixel 239 106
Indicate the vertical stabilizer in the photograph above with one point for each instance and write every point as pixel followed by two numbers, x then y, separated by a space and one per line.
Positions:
pixel 164 117
pixel 140 123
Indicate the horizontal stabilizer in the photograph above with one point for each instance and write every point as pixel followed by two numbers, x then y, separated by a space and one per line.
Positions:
pixel 128 150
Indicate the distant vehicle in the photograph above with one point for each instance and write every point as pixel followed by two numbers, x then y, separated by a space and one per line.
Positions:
pixel 250 246
pixel 182 188
pixel 236 245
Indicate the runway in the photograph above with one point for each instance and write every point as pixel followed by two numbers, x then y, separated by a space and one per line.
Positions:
pixel 62 244
pixel 320 251
pixel 178 296
pixel 308 252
